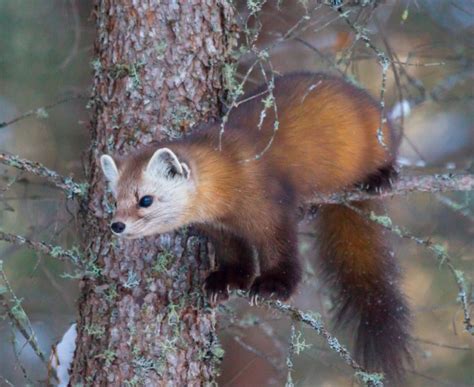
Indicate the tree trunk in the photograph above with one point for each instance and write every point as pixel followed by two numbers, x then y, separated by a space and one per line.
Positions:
pixel 142 316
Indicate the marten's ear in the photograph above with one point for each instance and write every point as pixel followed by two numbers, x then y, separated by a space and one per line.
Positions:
pixel 164 162
pixel 110 170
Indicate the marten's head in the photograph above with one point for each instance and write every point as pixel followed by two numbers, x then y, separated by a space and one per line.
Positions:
pixel 152 193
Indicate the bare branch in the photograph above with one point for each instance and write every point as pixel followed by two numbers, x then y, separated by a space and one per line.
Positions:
pixel 71 188
pixel 408 184
pixel 41 111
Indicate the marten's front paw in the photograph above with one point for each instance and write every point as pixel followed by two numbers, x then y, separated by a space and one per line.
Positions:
pixel 216 287
pixel 382 180
pixel 271 286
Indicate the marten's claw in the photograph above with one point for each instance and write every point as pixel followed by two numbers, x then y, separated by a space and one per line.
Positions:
pixel 253 300
pixel 216 287
pixel 270 286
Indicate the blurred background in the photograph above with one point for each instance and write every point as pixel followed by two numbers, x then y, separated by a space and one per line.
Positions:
pixel 45 69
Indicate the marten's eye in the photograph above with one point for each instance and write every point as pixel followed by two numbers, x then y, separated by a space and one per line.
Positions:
pixel 145 201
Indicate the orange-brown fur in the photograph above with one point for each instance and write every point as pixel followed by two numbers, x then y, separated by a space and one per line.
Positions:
pixel 327 141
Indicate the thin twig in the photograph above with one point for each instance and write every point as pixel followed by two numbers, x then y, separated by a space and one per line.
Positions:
pixel 459 208
pixel 40 247
pixel 276 366
pixel 441 345
pixel 71 188
pixel 41 111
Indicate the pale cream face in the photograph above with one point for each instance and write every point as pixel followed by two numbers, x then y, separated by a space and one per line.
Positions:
pixel 164 185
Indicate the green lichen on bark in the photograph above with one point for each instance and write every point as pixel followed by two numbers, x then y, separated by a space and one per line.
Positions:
pixel 156 72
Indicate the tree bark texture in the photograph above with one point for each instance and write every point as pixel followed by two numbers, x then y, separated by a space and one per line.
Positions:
pixel 142 316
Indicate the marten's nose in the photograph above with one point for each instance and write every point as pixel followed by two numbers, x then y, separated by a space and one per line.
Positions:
pixel 117 227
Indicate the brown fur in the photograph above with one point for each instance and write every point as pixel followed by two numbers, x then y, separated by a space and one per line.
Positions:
pixel 327 141
pixel 356 262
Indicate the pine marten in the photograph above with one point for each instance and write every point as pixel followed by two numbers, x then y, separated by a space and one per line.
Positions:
pixel 244 195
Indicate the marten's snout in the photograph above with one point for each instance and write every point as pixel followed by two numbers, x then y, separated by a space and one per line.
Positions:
pixel 117 227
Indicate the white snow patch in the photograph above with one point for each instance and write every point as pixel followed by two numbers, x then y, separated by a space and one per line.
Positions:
pixel 62 355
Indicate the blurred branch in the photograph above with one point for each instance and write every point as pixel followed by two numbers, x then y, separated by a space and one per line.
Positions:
pixel 41 247
pixel 77 35
pixel 17 315
pixel 314 321
pixel 17 323
pixel 439 252
pixel 441 345
pixel 6 381
pixel 460 208
pixel 71 188
pixel 41 111
pixel 270 360
pixel 407 184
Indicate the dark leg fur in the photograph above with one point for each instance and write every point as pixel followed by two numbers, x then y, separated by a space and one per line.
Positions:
pixel 235 265
pixel 381 180
pixel 280 270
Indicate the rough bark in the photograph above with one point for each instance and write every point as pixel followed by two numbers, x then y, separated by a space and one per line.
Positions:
pixel 142 316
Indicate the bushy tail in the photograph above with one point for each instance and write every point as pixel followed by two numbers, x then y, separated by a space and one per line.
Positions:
pixel 357 263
